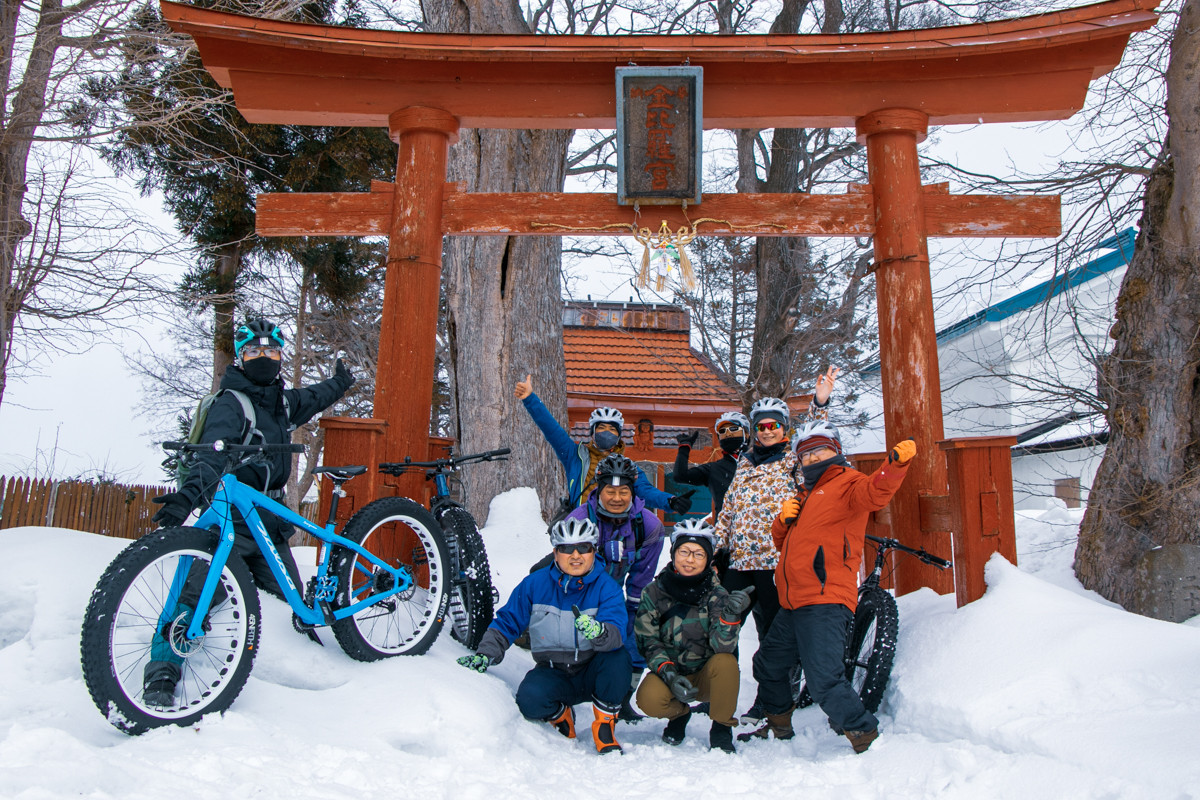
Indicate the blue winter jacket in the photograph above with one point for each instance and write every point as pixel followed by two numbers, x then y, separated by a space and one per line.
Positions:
pixel 628 563
pixel 576 459
pixel 541 604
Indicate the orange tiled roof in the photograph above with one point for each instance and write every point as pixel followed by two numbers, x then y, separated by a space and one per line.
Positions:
pixel 645 363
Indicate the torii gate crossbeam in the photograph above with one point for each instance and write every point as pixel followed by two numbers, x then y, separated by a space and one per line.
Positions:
pixel 890 86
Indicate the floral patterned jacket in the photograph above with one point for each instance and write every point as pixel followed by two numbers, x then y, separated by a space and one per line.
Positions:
pixel 751 505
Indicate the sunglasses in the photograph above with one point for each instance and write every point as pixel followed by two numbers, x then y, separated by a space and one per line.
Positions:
pixel 768 425
pixel 580 547
pixel 728 430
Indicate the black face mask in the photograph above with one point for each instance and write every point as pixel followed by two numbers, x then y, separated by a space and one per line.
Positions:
pixel 813 472
pixel 606 440
pixel 262 371
pixel 733 444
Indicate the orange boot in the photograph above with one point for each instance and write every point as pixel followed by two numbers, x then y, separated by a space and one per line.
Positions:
pixel 603 730
pixel 564 721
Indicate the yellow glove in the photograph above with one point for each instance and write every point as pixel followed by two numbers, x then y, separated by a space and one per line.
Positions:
pixel 903 452
pixel 790 510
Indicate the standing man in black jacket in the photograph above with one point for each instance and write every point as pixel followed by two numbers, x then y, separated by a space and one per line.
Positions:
pixel 258 348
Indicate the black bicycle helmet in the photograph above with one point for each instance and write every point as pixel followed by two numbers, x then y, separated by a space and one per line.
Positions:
pixel 616 470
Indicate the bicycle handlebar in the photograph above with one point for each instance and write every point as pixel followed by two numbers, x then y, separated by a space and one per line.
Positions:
pixel 894 544
pixel 221 446
pixel 400 467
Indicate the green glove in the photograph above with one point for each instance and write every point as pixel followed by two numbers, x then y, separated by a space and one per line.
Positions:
pixel 477 661
pixel 586 625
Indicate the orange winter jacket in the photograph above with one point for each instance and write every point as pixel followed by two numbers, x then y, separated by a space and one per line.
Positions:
pixel 820 553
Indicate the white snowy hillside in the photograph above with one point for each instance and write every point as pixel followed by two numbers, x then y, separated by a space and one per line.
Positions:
pixel 1039 690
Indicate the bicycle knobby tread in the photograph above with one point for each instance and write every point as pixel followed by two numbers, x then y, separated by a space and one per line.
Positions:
pixel 349 635
pixel 99 669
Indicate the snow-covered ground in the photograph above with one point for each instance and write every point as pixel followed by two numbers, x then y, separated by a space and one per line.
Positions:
pixel 1040 689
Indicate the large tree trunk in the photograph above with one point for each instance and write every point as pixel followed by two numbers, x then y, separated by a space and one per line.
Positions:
pixel 503 295
pixel 1139 544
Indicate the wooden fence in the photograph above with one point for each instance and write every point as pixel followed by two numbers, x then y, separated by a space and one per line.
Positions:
pixel 108 509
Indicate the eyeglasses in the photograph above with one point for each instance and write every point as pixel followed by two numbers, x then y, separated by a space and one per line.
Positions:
pixel 729 430
pixel 768 425
pixel 690 554
pixel 251 352
pixel 579 547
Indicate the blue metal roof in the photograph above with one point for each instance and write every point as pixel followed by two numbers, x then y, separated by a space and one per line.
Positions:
pixel 1122 246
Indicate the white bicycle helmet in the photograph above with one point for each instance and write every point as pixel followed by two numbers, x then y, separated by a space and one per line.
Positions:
pixel 696 528
pixel 574 531
pixel 606 414
pixel 772 407
pixel 815 434
pixel 736 417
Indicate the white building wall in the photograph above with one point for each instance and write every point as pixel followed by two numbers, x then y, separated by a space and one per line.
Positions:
pixel 1007 376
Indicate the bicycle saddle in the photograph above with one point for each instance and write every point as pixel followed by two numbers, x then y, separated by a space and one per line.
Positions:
pixel 339 473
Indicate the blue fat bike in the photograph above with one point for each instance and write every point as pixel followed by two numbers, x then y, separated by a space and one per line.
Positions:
pixel 472 596
pixel 182 596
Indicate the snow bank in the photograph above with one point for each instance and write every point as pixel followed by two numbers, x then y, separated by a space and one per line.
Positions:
pixel 1037 690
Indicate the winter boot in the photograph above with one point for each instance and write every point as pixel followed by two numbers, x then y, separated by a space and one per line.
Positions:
pixel 754 714
pixel 564 721
pixel 778 724
pixel 628 713
pixel 720 737
pixel 158 687
pixel 673 733
pixel 861 740
pixel 604 730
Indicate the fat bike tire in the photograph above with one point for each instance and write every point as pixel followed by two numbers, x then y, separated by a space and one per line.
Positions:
pixel 472 603
pixel 125 611
pixel 399 532
pixel 870 651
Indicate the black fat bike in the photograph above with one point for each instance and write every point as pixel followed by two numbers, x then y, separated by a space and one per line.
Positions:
pixel 871 646
pixel 472 599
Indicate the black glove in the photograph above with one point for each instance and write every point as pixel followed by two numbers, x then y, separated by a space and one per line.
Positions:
pixel 680 686
pixel 688 438
pixel 343 374
pixel 737 602
pixel 682 503
pixel 175 509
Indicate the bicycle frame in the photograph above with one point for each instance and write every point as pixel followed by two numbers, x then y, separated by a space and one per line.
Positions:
pixel 232 494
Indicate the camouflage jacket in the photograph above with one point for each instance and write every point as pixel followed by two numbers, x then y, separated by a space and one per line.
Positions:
pixel 668 629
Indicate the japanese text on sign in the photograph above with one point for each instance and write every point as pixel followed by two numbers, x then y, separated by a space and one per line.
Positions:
pixel 659 134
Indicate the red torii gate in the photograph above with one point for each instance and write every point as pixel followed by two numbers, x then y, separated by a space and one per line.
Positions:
pixel 890 86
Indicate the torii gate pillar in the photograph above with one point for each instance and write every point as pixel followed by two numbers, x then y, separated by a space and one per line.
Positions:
pixel 912 400
pixel 408 332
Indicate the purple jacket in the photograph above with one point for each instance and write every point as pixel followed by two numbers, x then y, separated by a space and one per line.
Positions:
pixel 629 564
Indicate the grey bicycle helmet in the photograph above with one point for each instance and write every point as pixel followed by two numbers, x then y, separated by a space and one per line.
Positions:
pixel 736 417
pixel 574 531
pixel 695 530
pixel 816 434
pixel 770 408
pixel 606 414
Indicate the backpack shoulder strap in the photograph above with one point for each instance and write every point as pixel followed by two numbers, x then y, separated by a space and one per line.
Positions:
pixel 248 412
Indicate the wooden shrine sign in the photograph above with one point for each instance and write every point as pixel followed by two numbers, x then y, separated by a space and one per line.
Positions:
pixel 660 122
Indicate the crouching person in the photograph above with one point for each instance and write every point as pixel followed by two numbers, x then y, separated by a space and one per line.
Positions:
pixel 687 628
pixel 820 535
pixel 575 615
